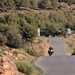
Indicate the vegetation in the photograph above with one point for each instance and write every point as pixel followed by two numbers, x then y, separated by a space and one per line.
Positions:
pixel 18 4
pixel 28 68
pixel 15 28
pixel 20 19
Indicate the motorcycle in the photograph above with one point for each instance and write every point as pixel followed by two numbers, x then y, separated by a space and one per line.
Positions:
pixel 50 51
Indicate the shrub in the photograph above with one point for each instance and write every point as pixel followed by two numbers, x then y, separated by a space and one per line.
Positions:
pixel 3 27
pixel 3 30
pixel 34 4
pixel 27 68
pixel 44 4
pixel 13 40
pixel 33 52
pixel 3 39
pixel 27 29
pixel 6 4
pixel 24 67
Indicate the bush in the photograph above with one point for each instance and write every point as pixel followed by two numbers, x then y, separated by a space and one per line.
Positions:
pixel 44 4
pixel 13 40
pixel 27 29
pixel 68 1
pixel 34 52
pixel 27 68
pixel 6 4
pixel 34 4
pixel 3 31
pixel 3 39
pixel 24 67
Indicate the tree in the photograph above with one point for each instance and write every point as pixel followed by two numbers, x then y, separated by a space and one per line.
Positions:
pixel 22 3
pixel 54 3
pixel 34 4
pixel 68 1
pixel 44 4
pixel 13 40
pixel 6 4
pixel 27 30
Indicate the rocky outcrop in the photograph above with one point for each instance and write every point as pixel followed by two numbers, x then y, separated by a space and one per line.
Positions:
pixel 7 67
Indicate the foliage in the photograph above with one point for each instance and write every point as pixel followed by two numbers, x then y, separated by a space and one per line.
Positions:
pixel 27 68
pixel 27 28
pixel 45 4
pixel 3 39
pixel 18 27
pixel 6 5
pixel 68 1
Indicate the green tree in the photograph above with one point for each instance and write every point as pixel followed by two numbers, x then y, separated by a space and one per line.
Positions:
pixel 54 3
pixel 34 4
pixel 6 4
pixel 27 30
pixel 44 4
pixel 22 3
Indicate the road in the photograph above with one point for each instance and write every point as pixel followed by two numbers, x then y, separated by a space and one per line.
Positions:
pixel 58 46
pixel 59 63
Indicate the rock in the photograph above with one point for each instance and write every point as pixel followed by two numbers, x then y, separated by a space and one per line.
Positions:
pixel 7 67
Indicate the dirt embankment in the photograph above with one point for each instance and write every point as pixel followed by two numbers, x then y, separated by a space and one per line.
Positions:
pixel 39 46
pixel 70 43
pixel 7 67
pixel 7 58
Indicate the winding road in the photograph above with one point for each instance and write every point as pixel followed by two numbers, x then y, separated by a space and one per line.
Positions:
pixel 59 63
pixel 58 46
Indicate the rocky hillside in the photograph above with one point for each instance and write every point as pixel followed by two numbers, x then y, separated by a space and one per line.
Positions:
pixel 7 67
pixel 17 61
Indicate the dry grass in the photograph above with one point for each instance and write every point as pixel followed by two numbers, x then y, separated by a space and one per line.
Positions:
pixel 70 43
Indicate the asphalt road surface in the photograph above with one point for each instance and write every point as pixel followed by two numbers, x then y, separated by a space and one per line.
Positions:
pixel 59 63
pixel 58 46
